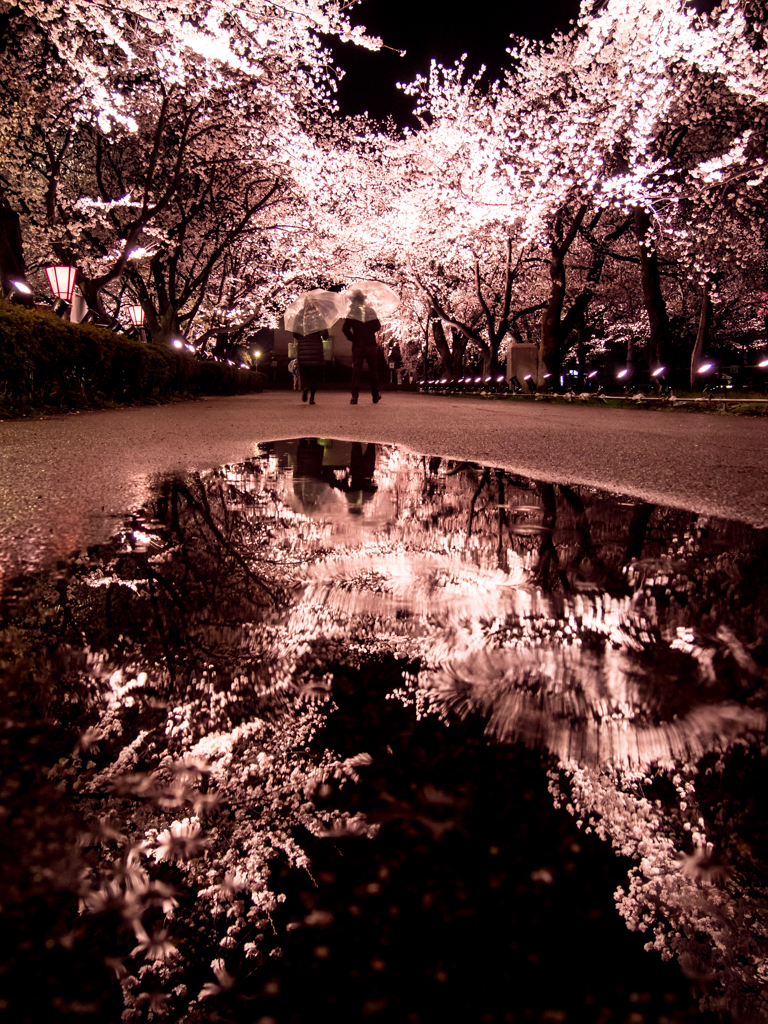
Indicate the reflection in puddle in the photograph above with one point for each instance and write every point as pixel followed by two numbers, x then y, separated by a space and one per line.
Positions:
pixel 204 655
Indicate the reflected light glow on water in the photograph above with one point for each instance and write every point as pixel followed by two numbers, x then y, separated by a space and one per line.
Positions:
pixel 209 650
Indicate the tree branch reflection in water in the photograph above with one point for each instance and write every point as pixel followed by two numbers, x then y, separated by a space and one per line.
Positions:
pixel 626 642
pixel 616 636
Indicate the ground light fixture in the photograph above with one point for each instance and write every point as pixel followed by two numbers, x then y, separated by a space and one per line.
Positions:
pixel 592 374
pixel 763 363
pixel 705 367
pixel 622 373
pixel 20 286
pixel 177 343
pixel 658 371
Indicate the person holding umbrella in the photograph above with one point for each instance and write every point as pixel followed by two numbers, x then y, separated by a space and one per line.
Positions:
pixel 361 327
pixel 309 317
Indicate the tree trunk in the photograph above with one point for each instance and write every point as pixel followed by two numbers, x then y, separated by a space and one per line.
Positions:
pixel 701 334
pixel 457 353
pixel 163 329
pixel 581 350
pixel 549 355
pixel 12 266
pixel 488 363
pixel 661 337
pixel 441 344
pixel 451 354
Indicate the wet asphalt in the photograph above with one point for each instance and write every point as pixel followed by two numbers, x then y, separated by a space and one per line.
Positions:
pixel 67 481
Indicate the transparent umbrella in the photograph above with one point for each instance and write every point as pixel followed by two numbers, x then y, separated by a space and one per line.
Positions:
pixel 313 311
pixel 369 300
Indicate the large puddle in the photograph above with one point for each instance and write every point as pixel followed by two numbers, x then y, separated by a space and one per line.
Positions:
pixel 346 733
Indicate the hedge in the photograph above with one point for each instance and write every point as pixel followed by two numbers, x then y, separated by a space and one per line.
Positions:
pixel 52 365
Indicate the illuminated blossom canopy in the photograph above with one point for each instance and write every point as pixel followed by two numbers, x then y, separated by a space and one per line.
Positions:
pixel 190 156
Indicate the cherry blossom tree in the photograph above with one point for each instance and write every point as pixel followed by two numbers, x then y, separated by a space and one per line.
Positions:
pixel 157 116
pixel 594 121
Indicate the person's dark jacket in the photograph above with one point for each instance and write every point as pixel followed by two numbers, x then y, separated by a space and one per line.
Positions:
pixel 362 335
pixel 309 349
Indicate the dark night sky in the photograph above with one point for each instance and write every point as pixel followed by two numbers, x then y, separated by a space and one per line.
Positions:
pixel 440 30
pixel 435 29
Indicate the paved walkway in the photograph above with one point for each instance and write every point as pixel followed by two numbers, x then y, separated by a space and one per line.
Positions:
pixel 66 481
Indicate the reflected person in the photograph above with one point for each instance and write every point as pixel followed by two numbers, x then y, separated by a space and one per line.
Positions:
pixel 308 484
pixel 358 485
pixel 362 334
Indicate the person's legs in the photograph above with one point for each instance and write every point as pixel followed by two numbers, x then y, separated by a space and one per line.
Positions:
pixel 370 358
pixel 311 377
pixel 358 361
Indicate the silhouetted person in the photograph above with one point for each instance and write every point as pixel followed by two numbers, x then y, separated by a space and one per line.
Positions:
pixel 362 334
pixel 309 353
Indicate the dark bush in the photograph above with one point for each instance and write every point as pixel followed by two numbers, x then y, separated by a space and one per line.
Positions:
pixel 49 364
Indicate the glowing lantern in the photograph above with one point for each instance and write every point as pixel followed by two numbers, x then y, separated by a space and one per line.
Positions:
pixel 62 281
pixel 137 315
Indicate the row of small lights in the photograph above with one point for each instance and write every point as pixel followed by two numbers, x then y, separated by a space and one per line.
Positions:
pixel 704 368
pixel 464 380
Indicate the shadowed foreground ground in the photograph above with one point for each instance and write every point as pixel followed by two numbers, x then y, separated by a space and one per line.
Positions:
pixel 66 481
